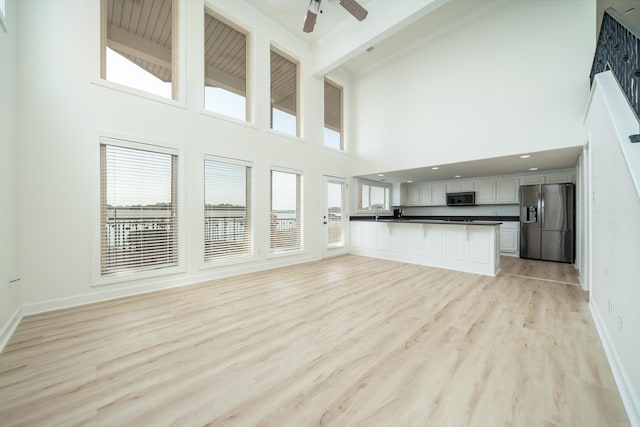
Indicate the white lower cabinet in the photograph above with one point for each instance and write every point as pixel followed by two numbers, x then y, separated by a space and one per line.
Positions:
pixel 462 247
pixel 510 238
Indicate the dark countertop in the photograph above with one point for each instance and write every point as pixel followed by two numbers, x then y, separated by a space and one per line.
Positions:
pixel 454 220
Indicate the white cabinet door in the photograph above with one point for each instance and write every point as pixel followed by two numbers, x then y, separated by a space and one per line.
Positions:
pixel 399 195
pixel 413 195
pixel 453 187
pixel 559 178
pixel 508 190
pixel 424 194
pixel 438 195
pixel 510 238
pixel 467 186
pixel 532 179
pixel 486 192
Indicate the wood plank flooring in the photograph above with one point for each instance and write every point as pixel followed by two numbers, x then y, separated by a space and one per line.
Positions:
pixel 350 341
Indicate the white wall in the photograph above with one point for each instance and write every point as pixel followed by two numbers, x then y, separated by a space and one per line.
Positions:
pixel 9 298
pixel 510 81
pixel 64 109
pixel 615 237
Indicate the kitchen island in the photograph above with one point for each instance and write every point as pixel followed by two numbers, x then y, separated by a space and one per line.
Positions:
pixel 470 246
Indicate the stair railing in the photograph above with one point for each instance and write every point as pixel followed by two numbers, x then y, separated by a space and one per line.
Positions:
pixel 618 50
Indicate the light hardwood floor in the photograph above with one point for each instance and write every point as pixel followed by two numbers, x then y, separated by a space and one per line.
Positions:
pixel 341 342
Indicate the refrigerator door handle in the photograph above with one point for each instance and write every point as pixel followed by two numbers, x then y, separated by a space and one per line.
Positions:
pixel 541 203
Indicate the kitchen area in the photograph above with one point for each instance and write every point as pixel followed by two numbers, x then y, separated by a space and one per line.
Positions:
pixel 466 224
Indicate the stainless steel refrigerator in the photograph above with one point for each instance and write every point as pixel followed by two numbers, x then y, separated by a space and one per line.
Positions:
pixel 547 218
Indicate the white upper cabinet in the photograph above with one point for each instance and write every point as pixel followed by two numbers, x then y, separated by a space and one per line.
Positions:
pixel 453 187
pixel 532 180
pixel 424 194
pixel 438 194
pixel 399 195
pixel 459 186
pixel 486 192
pixel 559 178
pixel 413 195
pixel 508 190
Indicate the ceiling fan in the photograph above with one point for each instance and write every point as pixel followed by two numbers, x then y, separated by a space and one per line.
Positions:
pixel 352 6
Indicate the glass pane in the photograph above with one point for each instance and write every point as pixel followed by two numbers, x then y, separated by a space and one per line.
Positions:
pixel 138 210
pixel 284 94
pixel 225 68
pixel 334 214
pixel 227 219
pixel 285 223
pixel 332 115
pixel 138 45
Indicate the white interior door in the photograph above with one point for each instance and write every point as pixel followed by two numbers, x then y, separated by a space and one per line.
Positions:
pixel 334 216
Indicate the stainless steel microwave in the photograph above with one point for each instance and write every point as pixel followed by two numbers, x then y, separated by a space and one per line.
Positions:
pixel 467 198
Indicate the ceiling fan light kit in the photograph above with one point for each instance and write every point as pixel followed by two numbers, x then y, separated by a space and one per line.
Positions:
pixel 351 6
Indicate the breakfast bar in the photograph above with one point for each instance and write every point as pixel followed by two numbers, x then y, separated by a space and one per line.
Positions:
pixel 469 246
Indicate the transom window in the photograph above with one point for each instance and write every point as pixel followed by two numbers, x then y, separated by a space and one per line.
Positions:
pixel 286 211
pixel 284 94
pixel 138 208
pixel 227 209
pixel 138 45
pixel 333 115
pixel 225 57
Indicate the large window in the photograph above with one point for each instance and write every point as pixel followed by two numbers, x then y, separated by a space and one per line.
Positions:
pixel 225 74
pixel 284 94
pixel 138 208
pixel 3 14
pixel 138 40
pixel 286 211
pixel 373 197
pixel 333 115
pixel 227 209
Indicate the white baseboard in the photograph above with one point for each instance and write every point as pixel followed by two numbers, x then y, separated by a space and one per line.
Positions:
pixel 9 327
pixel 627 393
pixel 158 285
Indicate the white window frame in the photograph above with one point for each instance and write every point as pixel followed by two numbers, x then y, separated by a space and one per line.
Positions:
pixel 253 200
pixel 359 196
pixel 301 249
pixel 135 143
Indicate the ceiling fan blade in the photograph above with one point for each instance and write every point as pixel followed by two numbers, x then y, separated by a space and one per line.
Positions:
pixel 309 22
pixel 354 8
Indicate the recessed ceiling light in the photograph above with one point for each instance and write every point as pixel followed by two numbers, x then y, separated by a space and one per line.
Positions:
pixel 410 181
pixel 458 176
pixel 628 11
pixel 525 156
pixel 533 169
pixel 380 174
pixel 435 168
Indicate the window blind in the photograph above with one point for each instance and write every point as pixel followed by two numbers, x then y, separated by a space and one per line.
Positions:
pixel 334 210
pixel 227 210
pixel 286 219
pixel 139 221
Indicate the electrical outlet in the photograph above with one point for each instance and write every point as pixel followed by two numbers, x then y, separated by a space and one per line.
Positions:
pixel 620 322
